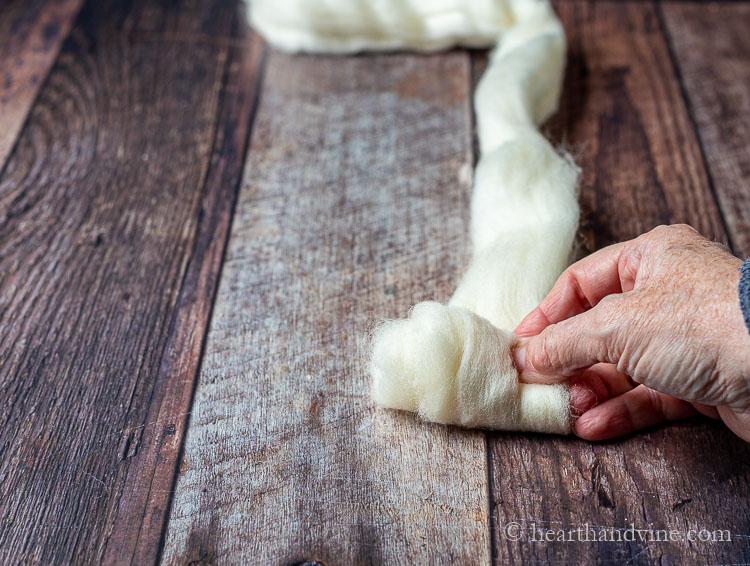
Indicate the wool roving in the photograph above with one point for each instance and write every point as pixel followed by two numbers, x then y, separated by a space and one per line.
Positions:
pixel 453 366
pixel 453 363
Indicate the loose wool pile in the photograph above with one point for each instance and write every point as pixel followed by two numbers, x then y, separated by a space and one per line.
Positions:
pixel 452 364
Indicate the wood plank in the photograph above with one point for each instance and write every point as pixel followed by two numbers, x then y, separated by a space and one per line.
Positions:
pixel 711 45
pixel 137 530
pixel 31 33
pixel 107 273
pixel 624 119
pixel 354 206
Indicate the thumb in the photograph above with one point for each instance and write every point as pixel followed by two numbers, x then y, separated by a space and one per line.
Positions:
pixel 737 420
pixel 562 350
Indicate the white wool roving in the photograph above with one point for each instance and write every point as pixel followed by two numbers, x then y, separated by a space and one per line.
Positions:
pixel 348 26
pixel 452 364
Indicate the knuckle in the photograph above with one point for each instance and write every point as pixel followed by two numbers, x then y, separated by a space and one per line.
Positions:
pixel 684 229
pixel 632 268
pixel 682 234
pixel 673 231
pixel 606 310
pixel 661 233
pixel 604 326
pixel 544 355
pixel 656 401
pixel 574 274
pixel 671 239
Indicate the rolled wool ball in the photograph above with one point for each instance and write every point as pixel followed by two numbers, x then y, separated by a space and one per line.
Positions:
pixel 454 367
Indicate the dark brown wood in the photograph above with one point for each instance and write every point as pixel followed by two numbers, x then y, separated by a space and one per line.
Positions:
pixel 31 33
pixel 624 119
pixel 114 211
pixel 137 529
pixel 711 44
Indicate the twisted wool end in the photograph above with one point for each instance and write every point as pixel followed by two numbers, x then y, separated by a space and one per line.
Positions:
pixel 454 367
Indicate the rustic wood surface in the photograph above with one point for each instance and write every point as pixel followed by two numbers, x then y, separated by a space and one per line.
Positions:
pixel 351 162
pixel 137 529
pixel 31 33
pixel 166 396
pixel 114 211
pixel 711 45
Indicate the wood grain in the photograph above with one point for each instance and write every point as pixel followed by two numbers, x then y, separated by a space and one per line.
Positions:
pixel 711 44
pixel 117 191
pixel 31 33
pixel 354 206
pixel 622 115
pixel 107 271
pixel 624 119
pixel 137 530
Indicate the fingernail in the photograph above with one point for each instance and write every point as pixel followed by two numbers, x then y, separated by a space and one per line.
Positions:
pixel 527 325
pixel 582 399
pixel 582 426
pixel 519 358
pixel 519 331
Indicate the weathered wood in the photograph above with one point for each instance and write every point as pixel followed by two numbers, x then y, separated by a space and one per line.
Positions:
pixel 114 213
pixel 622 115
pixel 137 530
pixel 31 33
pixel 711 44
pixel 624 119
pixel 107 271
pixel 354 206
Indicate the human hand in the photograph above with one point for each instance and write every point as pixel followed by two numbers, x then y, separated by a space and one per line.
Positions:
pixel 646 331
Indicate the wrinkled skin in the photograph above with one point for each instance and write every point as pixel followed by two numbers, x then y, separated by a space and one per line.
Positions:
pixel 646 331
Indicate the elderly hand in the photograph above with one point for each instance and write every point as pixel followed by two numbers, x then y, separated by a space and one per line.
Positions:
pixel 646 331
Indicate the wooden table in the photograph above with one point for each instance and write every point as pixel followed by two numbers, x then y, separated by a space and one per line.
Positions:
pixel 197 234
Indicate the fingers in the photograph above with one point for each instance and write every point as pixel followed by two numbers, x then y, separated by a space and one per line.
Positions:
pixel 563 349
pixel 634 410
pixel 579 288
pixel 707 410
pixel 596 385
pixel 737 421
